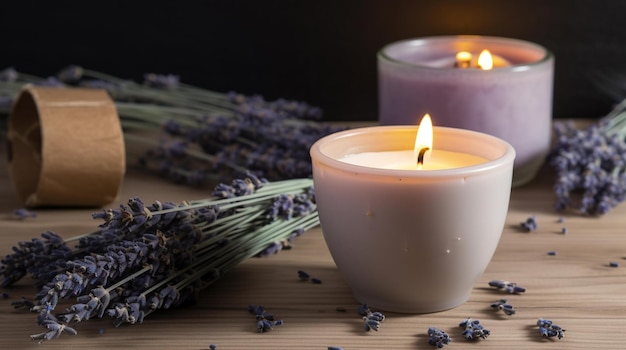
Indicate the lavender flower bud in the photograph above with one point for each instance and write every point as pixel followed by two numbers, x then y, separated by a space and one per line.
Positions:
pixel 530 224
pixel 549 329
pixel 473 329
pixel 438 338
pixel 507 286
pixel 304 276
pixel 22 214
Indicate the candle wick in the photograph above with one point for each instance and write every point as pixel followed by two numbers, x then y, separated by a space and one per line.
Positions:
pixel 420 156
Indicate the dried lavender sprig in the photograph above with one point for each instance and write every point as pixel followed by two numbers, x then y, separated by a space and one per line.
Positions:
pixel 54 330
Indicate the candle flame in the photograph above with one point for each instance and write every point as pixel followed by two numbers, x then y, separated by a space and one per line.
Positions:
pixel 423 140
pixel 463 59
pixel 485 60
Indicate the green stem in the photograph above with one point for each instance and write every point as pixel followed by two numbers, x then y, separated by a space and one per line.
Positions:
pixel 130 277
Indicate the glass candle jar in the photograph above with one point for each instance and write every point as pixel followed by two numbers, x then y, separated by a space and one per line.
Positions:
pixel 512 101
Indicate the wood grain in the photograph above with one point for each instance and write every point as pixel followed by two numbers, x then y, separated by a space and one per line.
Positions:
pixel 576 288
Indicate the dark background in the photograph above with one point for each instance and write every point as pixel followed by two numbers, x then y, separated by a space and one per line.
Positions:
pixel 322 52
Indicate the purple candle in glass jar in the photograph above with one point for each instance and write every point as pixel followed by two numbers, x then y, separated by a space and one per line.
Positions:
pixel 512 101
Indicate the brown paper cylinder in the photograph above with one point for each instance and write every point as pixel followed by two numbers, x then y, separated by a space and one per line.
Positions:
pixel 66 147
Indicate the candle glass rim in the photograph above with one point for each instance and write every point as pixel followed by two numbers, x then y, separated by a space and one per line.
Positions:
pixel 507 156
pixel 423 41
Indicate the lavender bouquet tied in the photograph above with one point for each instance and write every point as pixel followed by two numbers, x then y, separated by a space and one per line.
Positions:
pixel 590 164
pixel 205 136
pixel 149 257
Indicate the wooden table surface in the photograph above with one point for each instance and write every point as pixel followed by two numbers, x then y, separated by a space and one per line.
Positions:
pixel 576 288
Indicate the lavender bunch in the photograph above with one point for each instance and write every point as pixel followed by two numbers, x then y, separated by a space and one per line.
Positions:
pixel 143 258
pixel 590 164
pixel 205 136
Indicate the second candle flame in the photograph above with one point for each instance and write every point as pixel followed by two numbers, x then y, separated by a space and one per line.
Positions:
pixel 485 60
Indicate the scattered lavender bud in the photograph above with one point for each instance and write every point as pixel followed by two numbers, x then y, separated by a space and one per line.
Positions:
pixel 614 264
pixel 101 331
pixel 265 320
pixel 564 230
pixel 23 214
pixel 212 347
pixel 335 348
pixel 438 338
pixel 371 319
pixel 508 309
pixel 530 224
pixel 561 220
pixel 5 295
pixel 473 329
pixel 507 286
pixel 304 276
pixel 552 252
pixel 548 329
pixel 503 305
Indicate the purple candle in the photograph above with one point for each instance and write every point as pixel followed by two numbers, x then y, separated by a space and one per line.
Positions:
pixel 512 101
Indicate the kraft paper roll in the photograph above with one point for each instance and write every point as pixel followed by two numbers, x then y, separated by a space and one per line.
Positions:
pixel 66 147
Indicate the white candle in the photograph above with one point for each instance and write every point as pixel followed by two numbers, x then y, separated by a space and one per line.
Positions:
pixel 406 160
pixel 411 240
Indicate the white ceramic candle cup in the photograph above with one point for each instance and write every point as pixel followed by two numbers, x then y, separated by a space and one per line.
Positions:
pixel 514 103
pixel 411 241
